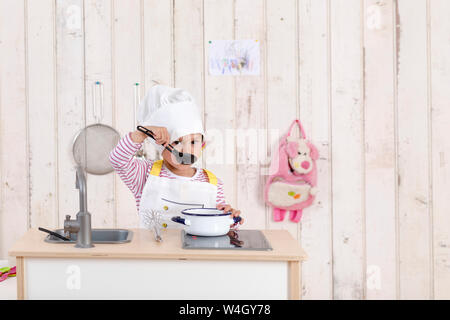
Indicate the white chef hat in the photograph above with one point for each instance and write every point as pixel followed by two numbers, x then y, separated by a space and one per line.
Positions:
pixel 172 108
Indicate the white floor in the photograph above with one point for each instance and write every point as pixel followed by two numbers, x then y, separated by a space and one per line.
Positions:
pixel 8 288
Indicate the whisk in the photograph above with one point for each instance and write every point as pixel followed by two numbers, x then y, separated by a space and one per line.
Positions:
pixel 153 219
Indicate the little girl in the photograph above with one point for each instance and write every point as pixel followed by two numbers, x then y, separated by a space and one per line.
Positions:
pixel 166 185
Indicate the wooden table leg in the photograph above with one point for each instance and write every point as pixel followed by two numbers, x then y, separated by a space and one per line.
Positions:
pixel 294 280
pixel 20 278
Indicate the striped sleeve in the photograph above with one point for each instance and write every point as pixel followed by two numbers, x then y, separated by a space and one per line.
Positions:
pixel 220 192
pixel 132 171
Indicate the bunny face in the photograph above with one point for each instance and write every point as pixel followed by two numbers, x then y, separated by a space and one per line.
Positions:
pixel 301 155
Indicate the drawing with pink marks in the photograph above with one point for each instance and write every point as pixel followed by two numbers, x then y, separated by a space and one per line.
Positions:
pixel 234 57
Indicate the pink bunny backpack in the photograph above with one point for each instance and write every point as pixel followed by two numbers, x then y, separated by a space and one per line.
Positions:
pixel 293 176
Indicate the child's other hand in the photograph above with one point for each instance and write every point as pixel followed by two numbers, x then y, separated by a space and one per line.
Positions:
pixel 234 212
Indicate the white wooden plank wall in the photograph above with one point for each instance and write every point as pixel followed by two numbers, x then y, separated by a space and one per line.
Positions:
pixel 347 148
pixel 413 134
pixel 379 153
pixel 439 79
pixel 314 71
pixel 369 79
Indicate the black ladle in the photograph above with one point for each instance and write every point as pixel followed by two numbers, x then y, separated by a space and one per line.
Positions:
pixel 181 157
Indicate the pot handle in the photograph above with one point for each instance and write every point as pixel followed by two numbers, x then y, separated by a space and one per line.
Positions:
pixel 236 219
pixel 181 220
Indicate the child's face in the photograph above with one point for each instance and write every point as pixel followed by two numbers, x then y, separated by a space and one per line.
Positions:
pixel 191 143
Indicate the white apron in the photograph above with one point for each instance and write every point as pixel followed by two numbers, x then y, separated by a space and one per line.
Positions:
pixel 171 196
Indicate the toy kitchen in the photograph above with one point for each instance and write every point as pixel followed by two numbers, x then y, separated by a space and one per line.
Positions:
pixel 80 262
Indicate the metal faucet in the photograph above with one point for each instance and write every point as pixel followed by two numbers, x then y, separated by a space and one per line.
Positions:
pixel 82 224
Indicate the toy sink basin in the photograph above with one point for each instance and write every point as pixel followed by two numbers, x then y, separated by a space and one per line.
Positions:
pixel 98 236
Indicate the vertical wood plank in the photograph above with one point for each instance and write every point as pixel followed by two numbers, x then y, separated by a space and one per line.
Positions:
pixel 250 117
pixel 14 170
pixel 219 100
pixel 97 26
pixel 188 48
pixel 380 156
pixel 188 52
pixel 314 83
pixel 347 149
pixel 70 99
pixel 413 157
pixel 20 274
pixel 300 281
pixel 282 87
pixel 42 113
pixel 157 59
pixel 294 280
pixel 440 97
pixel 157 35
pixel 126 38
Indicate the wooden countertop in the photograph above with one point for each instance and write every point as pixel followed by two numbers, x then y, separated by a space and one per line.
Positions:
pixel 144 246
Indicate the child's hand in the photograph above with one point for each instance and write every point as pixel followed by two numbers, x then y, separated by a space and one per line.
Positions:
pixel 234 212
pixel 161 134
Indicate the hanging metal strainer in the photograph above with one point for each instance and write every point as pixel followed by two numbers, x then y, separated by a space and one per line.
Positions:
pixel 93 144
pixel 92 147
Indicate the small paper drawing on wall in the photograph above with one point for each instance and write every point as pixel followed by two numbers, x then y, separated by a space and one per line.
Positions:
pixel 234 57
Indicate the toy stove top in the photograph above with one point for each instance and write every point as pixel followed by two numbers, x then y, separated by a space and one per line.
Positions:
pixel 234 240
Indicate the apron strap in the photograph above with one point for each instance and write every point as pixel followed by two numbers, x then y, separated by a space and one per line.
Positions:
pixel 156 168
pixel 211 177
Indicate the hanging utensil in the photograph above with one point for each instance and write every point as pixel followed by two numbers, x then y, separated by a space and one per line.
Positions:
pixel 181 157
pixel 93 144
pixel 137 100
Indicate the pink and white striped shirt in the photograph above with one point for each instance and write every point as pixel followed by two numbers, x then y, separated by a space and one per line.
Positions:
pixel 134 171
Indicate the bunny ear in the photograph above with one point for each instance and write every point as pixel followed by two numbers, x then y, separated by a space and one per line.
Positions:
pixel 278 158
pixel 275 162
pixel 292 148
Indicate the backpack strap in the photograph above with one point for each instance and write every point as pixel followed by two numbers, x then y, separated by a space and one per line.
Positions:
pixel 211 177
pixel 302 132
pixel 156 168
